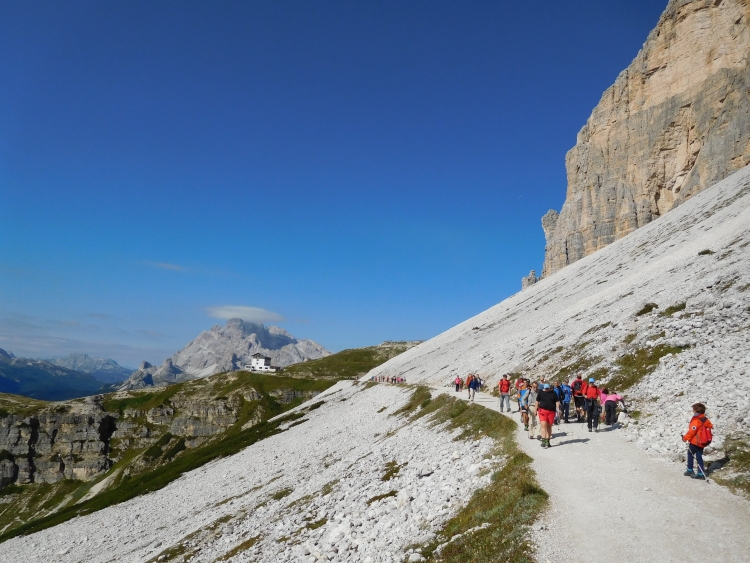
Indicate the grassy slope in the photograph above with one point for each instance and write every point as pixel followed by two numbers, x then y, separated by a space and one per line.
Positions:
pixel 41 505
pixel 347 364
pixel 511 502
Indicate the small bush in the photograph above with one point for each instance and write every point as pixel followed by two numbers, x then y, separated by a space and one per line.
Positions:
pixel 381 497
pixel 705 252
pixel 278 495
pixel 637 365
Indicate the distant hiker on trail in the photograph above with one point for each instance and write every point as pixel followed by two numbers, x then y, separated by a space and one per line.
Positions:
pixel 559 392
pixel 531 402
pixel 504 388
pixel 577 387
pixel 592 405
pixel 698 436
pixel 458 384
pixel 546 402
pixel 469 379
pixel 565 403
pixel 610 400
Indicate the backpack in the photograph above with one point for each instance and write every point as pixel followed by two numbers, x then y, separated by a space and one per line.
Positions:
pixel 577 385
pixel 566 393
pixel 705 436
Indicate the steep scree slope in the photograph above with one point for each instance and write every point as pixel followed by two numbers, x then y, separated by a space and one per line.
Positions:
pixel 663 313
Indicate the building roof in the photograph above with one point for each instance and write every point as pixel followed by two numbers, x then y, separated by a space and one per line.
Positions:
pixel 259 355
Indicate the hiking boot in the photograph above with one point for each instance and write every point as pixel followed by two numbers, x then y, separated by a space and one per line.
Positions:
pixel 589 429
pixel 544 443
pixel 689 473
pixel 526 428
pixel 596 430
pixel 699 476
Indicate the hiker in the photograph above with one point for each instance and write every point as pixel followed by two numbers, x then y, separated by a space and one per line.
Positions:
pixel 469 379
pixel 567 395
pixel 546 402
pixel 698 436
pixel 610 400
pixel 559 392
pixel 504 388
pixel 523 408
pixel 577 386
pixel 458 383
pixel 517 385
pixel 592 405
pixel 473 386
pixel 533 420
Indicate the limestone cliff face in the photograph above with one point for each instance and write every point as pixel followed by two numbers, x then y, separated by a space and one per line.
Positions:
pixel 677 120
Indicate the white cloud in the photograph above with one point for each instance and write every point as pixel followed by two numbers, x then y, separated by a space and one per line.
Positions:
pixel 167 266
pixel 249 314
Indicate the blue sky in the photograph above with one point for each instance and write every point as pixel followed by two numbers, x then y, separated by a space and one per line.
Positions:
pixel 351 171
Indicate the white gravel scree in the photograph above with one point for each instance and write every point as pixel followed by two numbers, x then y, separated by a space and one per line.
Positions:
pixel 332 464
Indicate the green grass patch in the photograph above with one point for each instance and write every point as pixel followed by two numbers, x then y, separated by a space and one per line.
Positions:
pixel 647 308
pixel 244 546
pixel 391 470
pixel 278 495
pixel 317 524
pixel 706 252
pixel 638 364
pixel 420 396
pixel 672 309
pixel 328 487
pixel 735 474
pixel 630 337
pixel 381 497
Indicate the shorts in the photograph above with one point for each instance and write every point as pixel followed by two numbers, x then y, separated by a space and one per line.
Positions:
pixel 579 401
pixel 546 416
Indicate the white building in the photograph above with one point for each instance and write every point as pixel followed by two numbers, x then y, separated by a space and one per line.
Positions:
pixel 259 362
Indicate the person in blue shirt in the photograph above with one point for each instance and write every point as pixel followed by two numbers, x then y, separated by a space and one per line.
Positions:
pixel 565 398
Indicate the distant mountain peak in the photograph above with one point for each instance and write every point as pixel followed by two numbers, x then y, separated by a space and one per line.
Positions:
pixel 227 348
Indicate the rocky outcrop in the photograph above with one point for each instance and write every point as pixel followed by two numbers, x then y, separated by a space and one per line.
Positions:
pixel 70 441
pixel 82 439
pixel 676 121
pixel 226 348
pixel 529 280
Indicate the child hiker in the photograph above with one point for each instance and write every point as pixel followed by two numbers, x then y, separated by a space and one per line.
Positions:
pixel 698 436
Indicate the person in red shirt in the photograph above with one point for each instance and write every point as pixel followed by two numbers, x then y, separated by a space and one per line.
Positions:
pixel 504 388
pixel 577 386
pixel 591 394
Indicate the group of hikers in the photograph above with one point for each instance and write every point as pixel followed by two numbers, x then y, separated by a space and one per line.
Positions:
pixel 473 383
pixel 388 379
pixel 542 404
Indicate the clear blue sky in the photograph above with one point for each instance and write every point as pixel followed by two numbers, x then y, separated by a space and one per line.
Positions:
pixel 363 170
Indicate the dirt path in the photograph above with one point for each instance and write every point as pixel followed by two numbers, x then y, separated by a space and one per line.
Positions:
pixel 609 501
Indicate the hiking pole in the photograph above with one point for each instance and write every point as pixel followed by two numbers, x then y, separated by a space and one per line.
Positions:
pixel 698 463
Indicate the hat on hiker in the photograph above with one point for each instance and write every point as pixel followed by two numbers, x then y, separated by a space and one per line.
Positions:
pixel 591 380
pixel 546 385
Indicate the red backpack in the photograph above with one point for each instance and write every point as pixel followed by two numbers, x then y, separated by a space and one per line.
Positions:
pixel 705 436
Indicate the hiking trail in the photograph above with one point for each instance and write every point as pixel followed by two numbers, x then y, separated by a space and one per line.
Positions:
pixel 611 501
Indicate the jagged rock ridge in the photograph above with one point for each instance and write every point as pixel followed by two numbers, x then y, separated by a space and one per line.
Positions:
pixel 676 121
pixel 226 348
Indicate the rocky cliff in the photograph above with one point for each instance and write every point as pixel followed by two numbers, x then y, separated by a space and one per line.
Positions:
pixel 676 121
pixel 226 348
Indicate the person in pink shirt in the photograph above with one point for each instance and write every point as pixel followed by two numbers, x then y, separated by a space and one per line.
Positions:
pixel 610 400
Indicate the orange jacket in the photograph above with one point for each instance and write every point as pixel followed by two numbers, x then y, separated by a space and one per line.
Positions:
pixel 591 392
pixel 695 425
